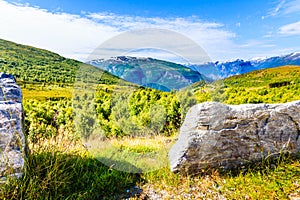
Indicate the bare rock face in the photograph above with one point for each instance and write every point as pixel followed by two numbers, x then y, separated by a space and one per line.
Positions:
pixel 215 135
pixel 12 140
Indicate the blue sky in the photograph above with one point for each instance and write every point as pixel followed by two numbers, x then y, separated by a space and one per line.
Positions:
pixel 226 30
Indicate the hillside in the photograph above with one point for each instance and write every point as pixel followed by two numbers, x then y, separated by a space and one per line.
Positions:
pixel 266 77
pixel 34 65
pixel 149 72
pixel 271 85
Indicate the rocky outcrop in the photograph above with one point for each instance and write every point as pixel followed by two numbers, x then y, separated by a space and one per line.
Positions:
pixel 215 135
pixel 12 140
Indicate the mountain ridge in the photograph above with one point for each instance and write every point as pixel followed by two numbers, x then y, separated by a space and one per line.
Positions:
pixel 150 72
pixel 221 70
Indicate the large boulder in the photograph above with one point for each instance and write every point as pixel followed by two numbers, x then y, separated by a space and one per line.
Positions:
pixel 12 140
pixel 215 135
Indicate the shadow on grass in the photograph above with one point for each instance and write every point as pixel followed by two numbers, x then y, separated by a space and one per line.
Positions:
pixel 262 166
pixel 57 175
pixel 120 165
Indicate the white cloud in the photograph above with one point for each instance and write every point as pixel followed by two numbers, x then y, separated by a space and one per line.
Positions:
pixel 290 29
pixel 251 43
pixel 278 8
pixel 283 8
pixel 209 35
pixel 69 35
pixel 77 36
pixel 159 54
pixel 292 6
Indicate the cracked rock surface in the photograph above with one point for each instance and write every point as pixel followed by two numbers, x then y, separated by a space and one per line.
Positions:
pixel 216 135
pixel 12 140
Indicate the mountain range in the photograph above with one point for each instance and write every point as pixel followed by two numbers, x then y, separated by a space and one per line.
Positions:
pixel 30 64
pixel 221 70
pixel 164 75
pixel 149 72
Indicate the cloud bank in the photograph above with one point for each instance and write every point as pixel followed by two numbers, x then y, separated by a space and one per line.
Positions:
pixel 76 36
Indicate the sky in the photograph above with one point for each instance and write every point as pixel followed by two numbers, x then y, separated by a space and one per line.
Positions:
pixel 224 29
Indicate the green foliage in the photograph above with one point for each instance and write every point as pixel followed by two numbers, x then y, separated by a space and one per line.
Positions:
pixel 45 119
pixel 187 99
pixel 255 87
pixel 111 111
pixel 129 111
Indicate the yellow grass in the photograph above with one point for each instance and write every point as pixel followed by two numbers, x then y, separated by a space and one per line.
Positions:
pixel 41 92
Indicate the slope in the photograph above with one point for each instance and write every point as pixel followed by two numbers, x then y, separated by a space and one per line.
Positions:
pixel 36 65
pixel 273 85
pixel 266 77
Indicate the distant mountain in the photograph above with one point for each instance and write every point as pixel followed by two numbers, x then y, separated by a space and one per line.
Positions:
pixel 150 72
pixel 220 70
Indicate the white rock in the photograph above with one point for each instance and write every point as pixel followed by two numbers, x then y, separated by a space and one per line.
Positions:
pixel 12 140
pixel 227 136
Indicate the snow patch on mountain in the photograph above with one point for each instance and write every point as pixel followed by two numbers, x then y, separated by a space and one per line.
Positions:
pixel 220 70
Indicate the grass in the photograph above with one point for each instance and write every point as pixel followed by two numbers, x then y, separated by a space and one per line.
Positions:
pixel 134 155
pixel 279 182
pixel 143 145
pixel 62 168
pixel 42 91
pixel 59 168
